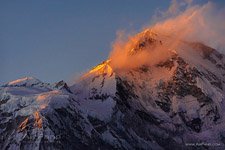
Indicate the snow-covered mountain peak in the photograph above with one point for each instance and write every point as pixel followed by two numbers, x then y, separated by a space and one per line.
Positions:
pixel 150 40
pixel 98 83
pixel 143 40
pixel 26 81
pixel 103 68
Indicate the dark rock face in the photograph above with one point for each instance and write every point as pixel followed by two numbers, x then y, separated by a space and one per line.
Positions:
pixel 62 86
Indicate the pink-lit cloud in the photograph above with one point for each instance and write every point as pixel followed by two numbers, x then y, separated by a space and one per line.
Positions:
pixel 182 21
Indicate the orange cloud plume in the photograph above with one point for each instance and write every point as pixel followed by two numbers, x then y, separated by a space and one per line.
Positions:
pixel 195 23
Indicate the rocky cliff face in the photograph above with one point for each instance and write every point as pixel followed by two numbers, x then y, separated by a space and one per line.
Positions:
pixel 174 104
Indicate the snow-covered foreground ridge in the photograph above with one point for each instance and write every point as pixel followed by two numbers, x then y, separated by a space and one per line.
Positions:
pixel 174 103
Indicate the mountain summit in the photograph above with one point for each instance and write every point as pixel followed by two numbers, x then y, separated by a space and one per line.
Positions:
pixel 172 98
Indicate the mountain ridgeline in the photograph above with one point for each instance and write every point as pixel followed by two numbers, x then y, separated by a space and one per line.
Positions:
pixel 174 103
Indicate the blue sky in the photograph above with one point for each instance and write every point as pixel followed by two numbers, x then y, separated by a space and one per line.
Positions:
pixel 58 39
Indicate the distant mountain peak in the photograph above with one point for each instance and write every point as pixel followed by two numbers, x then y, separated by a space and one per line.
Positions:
pixel 26 81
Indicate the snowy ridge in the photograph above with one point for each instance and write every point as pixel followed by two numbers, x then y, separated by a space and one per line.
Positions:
pixel 26 81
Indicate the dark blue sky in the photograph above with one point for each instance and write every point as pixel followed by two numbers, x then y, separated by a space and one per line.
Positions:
pixel 57 39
